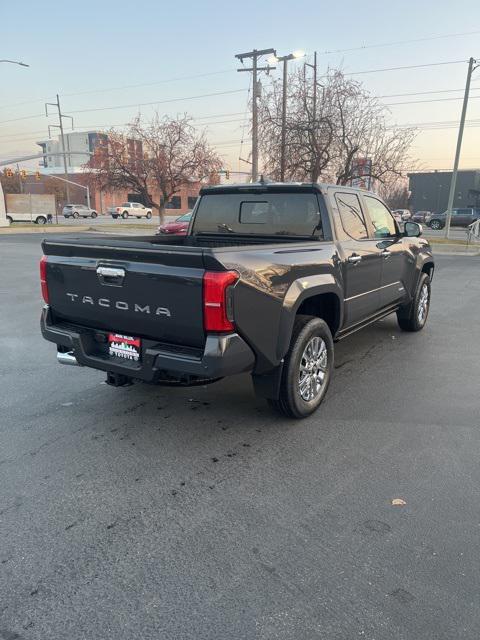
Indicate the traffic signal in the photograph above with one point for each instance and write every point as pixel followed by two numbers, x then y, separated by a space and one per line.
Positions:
pixel 37 176
pixel 23 173
pixel 8 172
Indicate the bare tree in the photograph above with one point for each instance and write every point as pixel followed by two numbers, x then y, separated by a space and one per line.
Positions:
pixel 325 139
pixel 10 184
pixel 154 159
pixel 309 129
pixel 395 193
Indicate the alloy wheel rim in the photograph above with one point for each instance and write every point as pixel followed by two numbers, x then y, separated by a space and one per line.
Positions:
pixel 313 369
pixel 422 308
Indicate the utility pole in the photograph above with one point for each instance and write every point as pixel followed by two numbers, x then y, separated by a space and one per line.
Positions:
pixel 471 67
pixel 285 59
pixel 314 104
pixel 284 120
pixel 62 138
pixel 314 67
pixel 20 183
pixel 254 55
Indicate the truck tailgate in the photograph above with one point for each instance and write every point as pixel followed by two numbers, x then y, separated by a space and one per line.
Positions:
pixel 136 294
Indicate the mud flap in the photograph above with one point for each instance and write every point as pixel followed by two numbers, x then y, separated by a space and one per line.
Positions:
pixel 267 385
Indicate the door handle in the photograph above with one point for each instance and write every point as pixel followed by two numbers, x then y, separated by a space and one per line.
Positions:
pixel 386 254
pixel 111 276
pixel 354 259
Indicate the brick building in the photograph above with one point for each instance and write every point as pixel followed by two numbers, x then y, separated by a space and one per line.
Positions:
pixel 102 200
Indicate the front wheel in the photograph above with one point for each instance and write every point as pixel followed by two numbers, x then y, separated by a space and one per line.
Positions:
pixel 149 215
pixel 93 214
pixel 41 220
pixel 124 215
pixel 76 215
pixel 435 225
pixel 413 316
pixel 307 368
pixel 9 220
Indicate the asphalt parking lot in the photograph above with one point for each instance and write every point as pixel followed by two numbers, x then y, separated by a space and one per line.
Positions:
pixel 197 514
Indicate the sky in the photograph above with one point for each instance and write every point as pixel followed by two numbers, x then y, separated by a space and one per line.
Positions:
pixel 104 54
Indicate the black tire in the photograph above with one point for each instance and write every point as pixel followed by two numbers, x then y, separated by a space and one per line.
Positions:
pixel 75 214
pixel 93 214
pixel 290 401
pixel 149 215
pixel 41 220
pixel 9 220
pixel 436 225
pixel 409 317
pixel 125 215
pixel 114 217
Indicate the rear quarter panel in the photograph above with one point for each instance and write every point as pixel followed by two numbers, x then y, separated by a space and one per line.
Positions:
pixel 273 282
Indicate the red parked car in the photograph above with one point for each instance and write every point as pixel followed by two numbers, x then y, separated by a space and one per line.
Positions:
pixel 179 227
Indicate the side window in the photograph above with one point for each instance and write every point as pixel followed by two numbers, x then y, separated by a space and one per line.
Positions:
pixel 382 220
pixel 351 215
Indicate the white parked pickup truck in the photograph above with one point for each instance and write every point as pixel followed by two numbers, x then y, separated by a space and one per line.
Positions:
pixel 130 209
pixel 37 218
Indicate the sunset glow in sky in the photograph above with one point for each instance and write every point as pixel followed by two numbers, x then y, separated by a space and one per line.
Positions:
pixel 108 61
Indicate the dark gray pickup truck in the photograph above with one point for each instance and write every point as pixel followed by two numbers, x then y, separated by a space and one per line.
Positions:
pixel 268 277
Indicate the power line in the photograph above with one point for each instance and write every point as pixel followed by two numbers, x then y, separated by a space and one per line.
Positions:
pixel 149 84
pixel 147 104
pixel 412 66
pixel 398 42
pixel 424 93
pixel 391 104
pixel 126 86
pixel 135 105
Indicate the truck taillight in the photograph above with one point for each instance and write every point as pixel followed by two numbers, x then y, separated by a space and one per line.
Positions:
pixel 43 278
pixel 217 300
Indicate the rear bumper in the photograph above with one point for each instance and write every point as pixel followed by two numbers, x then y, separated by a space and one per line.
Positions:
pixel 223 355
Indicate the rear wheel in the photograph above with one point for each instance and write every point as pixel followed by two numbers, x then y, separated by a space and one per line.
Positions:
pixel 307 368
pixel 9 220
pixel 93 214
pixel 413 316
pixel 125 215
pixel 41 220
pixel 436 225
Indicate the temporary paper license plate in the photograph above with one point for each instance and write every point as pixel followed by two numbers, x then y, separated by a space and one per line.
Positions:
pixel 125 347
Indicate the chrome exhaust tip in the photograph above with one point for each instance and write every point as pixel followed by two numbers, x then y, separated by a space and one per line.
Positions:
pixel 67 358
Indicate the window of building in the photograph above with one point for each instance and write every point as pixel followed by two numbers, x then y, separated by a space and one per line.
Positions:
pixel 382 220
pixel 191 201
pixel 175 203
pixel 351 215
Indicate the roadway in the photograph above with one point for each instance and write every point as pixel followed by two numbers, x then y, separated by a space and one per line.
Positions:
pixel 197 514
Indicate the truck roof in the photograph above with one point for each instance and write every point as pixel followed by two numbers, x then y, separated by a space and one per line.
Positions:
pixel 265 187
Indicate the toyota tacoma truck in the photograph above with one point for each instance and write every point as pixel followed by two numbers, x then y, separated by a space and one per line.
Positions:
pixel 267 279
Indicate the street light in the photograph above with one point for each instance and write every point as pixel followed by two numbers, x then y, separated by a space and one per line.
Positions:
pixel 22 64
pixel 274 59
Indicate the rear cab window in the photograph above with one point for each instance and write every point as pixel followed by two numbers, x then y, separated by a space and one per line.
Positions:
pixel 351 215
pixel 259 213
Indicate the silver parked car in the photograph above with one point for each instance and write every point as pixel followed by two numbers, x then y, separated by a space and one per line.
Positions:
pixel 78 211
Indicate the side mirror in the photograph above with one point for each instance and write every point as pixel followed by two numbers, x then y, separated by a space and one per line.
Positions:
pixel 412 229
